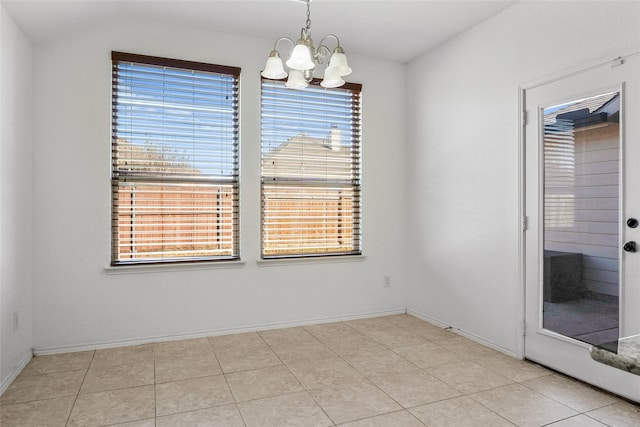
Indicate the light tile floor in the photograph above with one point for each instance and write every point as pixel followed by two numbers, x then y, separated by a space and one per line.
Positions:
pixel 387 371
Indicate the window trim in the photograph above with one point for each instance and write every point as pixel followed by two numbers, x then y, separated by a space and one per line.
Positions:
pixel 310 260
pixel 172 266
pixel 176 63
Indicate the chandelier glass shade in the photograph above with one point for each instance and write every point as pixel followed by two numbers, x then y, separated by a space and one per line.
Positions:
pixel 305 58
pixel 296 80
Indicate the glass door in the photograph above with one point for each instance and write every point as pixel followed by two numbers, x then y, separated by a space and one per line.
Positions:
pixel 582 287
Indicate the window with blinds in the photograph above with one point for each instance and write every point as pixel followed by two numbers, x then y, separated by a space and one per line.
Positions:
pixel 311 145
pixel 174 151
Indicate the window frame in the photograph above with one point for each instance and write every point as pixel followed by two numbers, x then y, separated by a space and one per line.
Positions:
pixel 209 182
pixel 354 182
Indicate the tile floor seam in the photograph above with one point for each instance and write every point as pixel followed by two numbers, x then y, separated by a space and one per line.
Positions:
pixel 386 394
pixel 386 413
pixel 226 380
pixel 541 394
pixel 80 388
pixel 516 381
pixel 195 377
pixel 491 410
pixel 416 418
pixel 551 423
pixel 269 397
pixel 617 399
pixel 244 420
pixel 610 404
pixel 586 414
pixel 128 422
pixel 204 407
pixel 121 388
pixel 476 392
pixel 217 360
pixel 406 408
pixel 283 363
pixel 188 411
pixel 292 374
pixel 155 389
pixel 333 422
pixel 559 402
pixel 437 401
pixel 236 400
pixel 115 388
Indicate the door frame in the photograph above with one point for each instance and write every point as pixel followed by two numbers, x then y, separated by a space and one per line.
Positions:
pixel 610 60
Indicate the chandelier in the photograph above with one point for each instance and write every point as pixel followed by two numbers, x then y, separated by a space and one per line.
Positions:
pixel 305 57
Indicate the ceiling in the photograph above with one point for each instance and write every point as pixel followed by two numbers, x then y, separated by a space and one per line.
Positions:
pixel 396 30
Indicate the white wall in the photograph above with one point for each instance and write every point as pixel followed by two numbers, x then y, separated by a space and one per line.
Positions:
pixel 462 154
pixel 15 199
pixel 76 303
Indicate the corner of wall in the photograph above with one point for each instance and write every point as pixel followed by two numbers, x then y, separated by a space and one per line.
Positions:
pixel 16 105
pixel 13 374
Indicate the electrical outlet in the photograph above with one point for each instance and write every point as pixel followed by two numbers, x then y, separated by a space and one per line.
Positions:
pixel 387 281
pixel 16 320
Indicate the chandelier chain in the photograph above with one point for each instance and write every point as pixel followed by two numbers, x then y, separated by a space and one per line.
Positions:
pixel 308 23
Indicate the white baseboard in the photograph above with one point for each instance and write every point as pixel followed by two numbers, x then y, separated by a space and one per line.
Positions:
pixel 429 319
pixel 15 372
pixel 461 332
pixel 41 351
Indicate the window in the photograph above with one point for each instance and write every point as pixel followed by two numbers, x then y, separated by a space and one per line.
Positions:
pixel 310 171
pixel 174 150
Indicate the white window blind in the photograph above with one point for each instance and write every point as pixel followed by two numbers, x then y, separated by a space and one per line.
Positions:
pixel 311 144
pixel 559 173
pixel 174 149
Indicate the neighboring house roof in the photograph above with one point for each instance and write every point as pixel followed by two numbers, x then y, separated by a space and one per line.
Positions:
pixel 304 158
pixel 593 110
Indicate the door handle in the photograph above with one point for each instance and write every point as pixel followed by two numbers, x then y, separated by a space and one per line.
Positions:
pixel 629 246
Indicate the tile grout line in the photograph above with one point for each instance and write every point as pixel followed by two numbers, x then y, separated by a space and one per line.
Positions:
pixel 75 400
pixel 224 375
pixel 155 388
pixel 305 390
